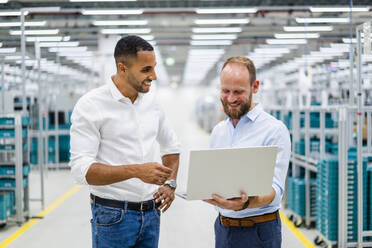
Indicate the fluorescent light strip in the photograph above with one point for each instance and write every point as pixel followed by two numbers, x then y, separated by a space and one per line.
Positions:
pixel 126 31
pixel 18 24
pixel 67 49
pixel 214 37
pixel 8 50
pixel 35 32
pixel 307 28
pixel 285 41
pixel 3 1
pixel 12 13
pixel 297 36
pixel 226 11
pixel 48 38
pixel 112 12
pixel 338 9
pixel 221 21
pixel 103 0
pixel 211 42
pixel 322 20
pixel 120 22
pixel 59 44
pixel 271 50
pixel 217 30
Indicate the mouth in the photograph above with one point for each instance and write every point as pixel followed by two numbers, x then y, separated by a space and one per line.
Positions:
pixel 234 105
pixel 148 83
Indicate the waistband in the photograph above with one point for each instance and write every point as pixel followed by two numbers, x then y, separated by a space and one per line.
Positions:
pixel 139 206
pixel 248 221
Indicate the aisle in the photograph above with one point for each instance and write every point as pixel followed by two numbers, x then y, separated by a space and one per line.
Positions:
pixel 186 224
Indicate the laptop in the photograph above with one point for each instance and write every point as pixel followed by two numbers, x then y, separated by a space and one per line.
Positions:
pixel 228 172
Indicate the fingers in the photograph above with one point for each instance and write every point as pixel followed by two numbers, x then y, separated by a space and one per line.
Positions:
pixel 165 196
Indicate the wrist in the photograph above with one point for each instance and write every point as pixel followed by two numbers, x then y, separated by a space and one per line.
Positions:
pixel 245 205
pixel 171 183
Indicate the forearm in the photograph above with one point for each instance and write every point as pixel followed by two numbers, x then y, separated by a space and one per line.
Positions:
pixel 171 161
pixel 101 174
pixel 260 201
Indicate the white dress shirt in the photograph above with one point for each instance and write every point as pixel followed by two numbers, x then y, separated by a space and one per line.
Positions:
pixel 256 128
pixel 108 128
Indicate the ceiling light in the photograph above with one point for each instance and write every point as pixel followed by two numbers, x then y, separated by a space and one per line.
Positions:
pixel 147 37
pixel 59 44
pixel 206 51
pixel 3 1
pixel 226 11
pixel 285 41
pixel 35 32
pixel 15 57
pixel 112 11
pixel 214 37
pixel 297 36
pixel 217 30
pixel 307 28
pixel 48 38
pixel 271 50
pixel 67 49
pixel 323 20
pixel 103 0
pixel 126 31
pixel 211 42
pixel 12 13
pixel 338 9
pixel 8 50
pixel 18 24
pixel 120 22
pixel 347 40
pixel 221 21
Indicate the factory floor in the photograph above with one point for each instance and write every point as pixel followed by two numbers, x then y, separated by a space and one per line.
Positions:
pixel 66 218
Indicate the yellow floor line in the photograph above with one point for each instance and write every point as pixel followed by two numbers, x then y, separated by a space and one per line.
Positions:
pixel 296 232
pixel 32 222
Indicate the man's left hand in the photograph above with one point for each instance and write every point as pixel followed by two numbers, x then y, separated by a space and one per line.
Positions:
pixel 165 195
pixel 232 204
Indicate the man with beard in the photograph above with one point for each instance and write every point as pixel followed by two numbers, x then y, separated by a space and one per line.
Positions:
pixel 114 133
pixel 248 221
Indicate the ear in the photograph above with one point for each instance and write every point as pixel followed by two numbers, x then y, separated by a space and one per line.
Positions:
pixel 122 67
pixel 255 86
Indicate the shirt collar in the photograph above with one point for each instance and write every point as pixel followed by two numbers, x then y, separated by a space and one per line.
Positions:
pixel 116 94
pixel 255 112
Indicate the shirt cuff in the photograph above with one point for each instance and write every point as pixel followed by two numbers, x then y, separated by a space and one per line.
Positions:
pixel 278 196
pixel 79 169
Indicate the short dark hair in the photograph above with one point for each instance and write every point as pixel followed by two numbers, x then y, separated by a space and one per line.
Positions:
pixel 245 61
pixel 128 47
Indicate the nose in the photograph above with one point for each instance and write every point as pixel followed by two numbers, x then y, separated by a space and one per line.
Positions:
pixel 231 98
pixel 153 75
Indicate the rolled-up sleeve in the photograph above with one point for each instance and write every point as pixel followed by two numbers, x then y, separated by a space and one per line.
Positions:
pixel 282 140
pixel 85 139
pixel 166 137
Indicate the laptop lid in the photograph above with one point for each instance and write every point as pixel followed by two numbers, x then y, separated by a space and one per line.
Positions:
pixel 228 172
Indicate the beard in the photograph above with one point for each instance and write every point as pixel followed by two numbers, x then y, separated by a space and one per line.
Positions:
pixel 138 86
pixel 239 112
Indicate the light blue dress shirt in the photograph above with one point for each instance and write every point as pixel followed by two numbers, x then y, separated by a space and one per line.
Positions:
pixel 256 128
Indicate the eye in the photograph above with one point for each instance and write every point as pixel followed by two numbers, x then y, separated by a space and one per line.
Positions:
pixel 146 69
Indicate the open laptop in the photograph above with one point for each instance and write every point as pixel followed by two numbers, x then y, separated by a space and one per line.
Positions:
pixel 228 172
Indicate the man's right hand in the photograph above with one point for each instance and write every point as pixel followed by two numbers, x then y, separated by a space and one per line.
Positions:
pixel 154 173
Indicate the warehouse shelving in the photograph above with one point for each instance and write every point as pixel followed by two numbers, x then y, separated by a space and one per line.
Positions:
pixel 14 168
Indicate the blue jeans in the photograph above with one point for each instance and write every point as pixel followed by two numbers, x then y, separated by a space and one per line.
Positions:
pixel 261 235
pixel 115 227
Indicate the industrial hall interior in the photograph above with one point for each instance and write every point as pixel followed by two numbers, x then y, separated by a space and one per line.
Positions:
pixel 185 124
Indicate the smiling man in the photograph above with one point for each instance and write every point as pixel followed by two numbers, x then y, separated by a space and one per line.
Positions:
pixel 113 136
pixel 248 221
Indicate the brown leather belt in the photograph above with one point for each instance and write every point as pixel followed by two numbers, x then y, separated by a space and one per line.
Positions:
pixel 248 221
